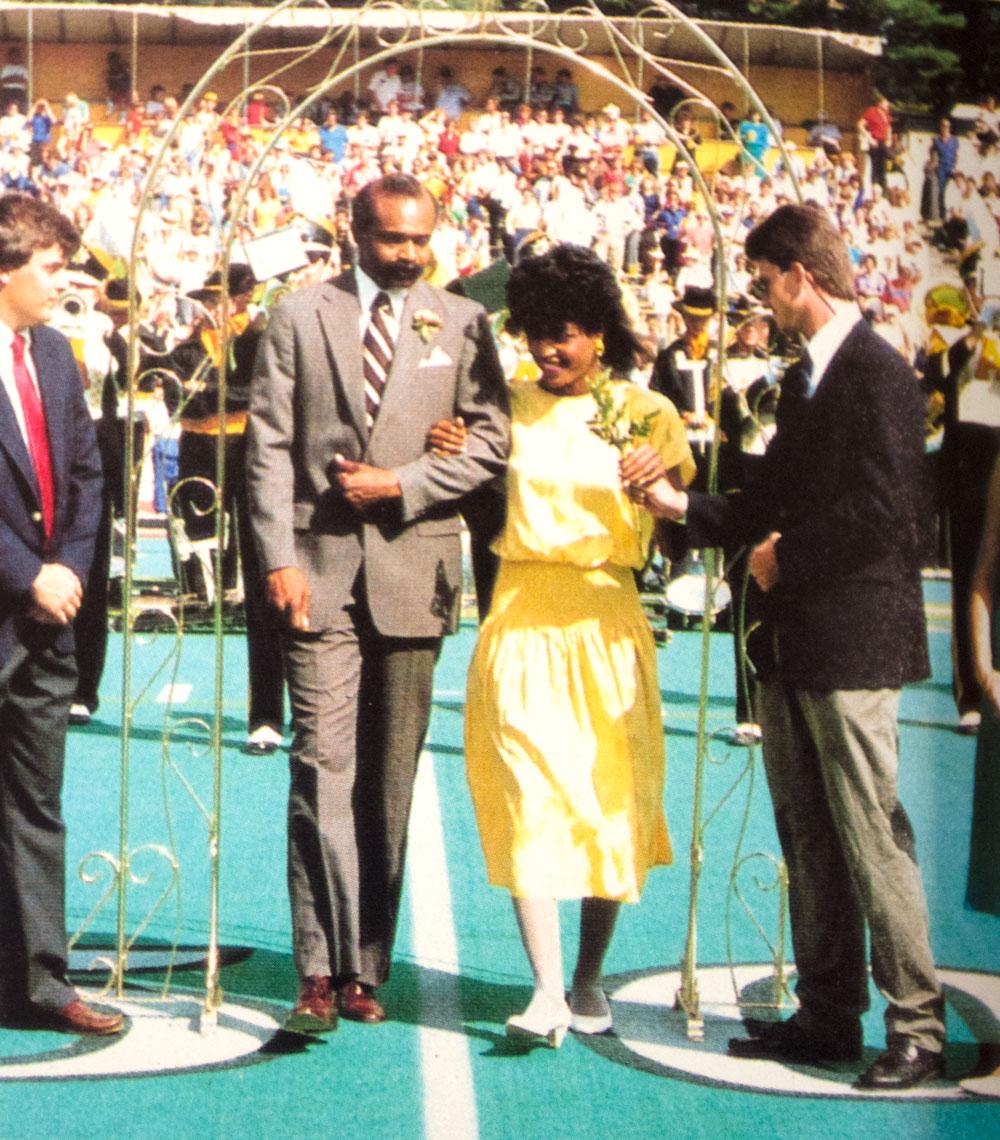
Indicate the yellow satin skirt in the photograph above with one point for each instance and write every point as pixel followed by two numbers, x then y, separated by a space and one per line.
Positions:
pixel 563 735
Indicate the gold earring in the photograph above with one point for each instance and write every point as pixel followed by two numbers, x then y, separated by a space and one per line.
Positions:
pixel 599 346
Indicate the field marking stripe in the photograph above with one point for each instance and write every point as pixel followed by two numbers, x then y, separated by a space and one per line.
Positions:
pixel 174 693
pixel 446 1069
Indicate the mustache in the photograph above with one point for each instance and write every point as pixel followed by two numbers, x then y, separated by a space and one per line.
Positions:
pixel 405 273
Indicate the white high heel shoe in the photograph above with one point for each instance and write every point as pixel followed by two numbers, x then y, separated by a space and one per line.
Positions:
pixel 541 1023
pixel 591 1024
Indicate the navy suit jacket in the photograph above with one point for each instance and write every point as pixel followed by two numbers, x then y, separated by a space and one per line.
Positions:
pixel 76 469
pixel 842 481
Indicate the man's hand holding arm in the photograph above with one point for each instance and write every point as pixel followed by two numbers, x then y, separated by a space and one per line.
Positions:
pixel 365 486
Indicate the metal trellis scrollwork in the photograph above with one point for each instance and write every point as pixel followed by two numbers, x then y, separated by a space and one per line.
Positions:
pixel 624 55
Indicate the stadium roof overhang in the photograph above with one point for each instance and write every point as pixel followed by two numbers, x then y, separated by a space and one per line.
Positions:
pixel 747 45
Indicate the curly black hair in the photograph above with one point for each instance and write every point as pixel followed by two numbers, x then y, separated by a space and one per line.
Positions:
pixel 570 284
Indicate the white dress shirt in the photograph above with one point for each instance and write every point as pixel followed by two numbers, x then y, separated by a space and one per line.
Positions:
pixel 823 345
pixel 7 373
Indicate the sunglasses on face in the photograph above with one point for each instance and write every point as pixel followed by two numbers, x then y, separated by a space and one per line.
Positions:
pixel 759 288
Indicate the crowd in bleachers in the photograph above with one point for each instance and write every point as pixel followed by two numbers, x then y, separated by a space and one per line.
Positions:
pixel 518 164
pixel 522 162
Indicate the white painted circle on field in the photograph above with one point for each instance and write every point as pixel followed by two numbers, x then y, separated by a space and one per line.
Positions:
pixel 648 1026
pixel 162 1035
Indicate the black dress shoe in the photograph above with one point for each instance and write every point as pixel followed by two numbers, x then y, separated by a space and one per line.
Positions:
pixel 788 1041
pixel 902 1066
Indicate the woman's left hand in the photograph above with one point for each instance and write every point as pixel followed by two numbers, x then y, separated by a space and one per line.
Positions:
pixel 447 437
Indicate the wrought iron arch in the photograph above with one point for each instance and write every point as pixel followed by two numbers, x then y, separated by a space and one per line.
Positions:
pixel 398 28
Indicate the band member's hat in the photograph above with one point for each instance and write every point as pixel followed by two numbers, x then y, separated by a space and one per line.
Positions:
pixel 742 308
pixel 115 297
pixel 240 280
pixel 697 301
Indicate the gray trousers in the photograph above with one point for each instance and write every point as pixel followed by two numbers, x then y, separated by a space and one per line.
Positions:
pixel 832 760
pixel 360 708
pixel 35 696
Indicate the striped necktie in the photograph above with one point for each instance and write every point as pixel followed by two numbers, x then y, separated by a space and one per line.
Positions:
pixel 37 432
pixel 376 351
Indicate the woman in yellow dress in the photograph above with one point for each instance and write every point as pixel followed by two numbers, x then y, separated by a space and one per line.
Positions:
pixel 563 735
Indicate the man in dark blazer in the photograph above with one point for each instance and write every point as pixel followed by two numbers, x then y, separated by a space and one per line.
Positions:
pixel 50 504
pixel 358 532
pixel 833 526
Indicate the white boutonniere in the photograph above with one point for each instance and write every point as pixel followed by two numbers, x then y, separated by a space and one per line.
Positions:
pixel 613 423
pixel 426 323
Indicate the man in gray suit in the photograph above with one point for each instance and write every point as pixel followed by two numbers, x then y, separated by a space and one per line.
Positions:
pixel 358 531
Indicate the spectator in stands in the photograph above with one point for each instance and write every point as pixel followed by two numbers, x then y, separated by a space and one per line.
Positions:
pixel 258 112
pixel 13 125
pixel 154 104
pixel 384 87
pixel 664 96
pixel 566 95
pixel 14 79
pixel 987 126
pixel 614 134
pixel 452 97
pixel 411 91
pixel 40 124
pixel 870 284
pixel 875 138
pixel 687 133
pixel 118 78
pixel 540 91
pixel 826 135
pixel 333 136
pixel 649 138
pixel 667 222
pixel 755 138
pixel 505 89
pixel 75 123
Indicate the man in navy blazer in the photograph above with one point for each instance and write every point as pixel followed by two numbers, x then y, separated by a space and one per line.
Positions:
pixel 50 501
pixel 834 536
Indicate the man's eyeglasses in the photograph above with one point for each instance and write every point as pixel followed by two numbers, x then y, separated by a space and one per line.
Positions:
pixel 760 287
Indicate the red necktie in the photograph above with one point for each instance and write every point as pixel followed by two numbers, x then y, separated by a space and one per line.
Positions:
pixel 38 434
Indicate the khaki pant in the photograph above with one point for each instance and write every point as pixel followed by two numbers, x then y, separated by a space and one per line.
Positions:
pixel 832 762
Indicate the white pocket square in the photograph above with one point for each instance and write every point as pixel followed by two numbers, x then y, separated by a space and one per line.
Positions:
pixel 436 358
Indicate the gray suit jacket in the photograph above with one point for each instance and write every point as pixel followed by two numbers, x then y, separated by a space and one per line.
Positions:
pixel 307 406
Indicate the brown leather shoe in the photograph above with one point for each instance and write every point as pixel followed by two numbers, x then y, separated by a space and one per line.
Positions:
pixel 78 1017
pixel 313 1012
pixel 357 1002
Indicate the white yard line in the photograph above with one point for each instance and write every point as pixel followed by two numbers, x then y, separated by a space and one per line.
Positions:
pixel 446 1069
pixel 174 694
